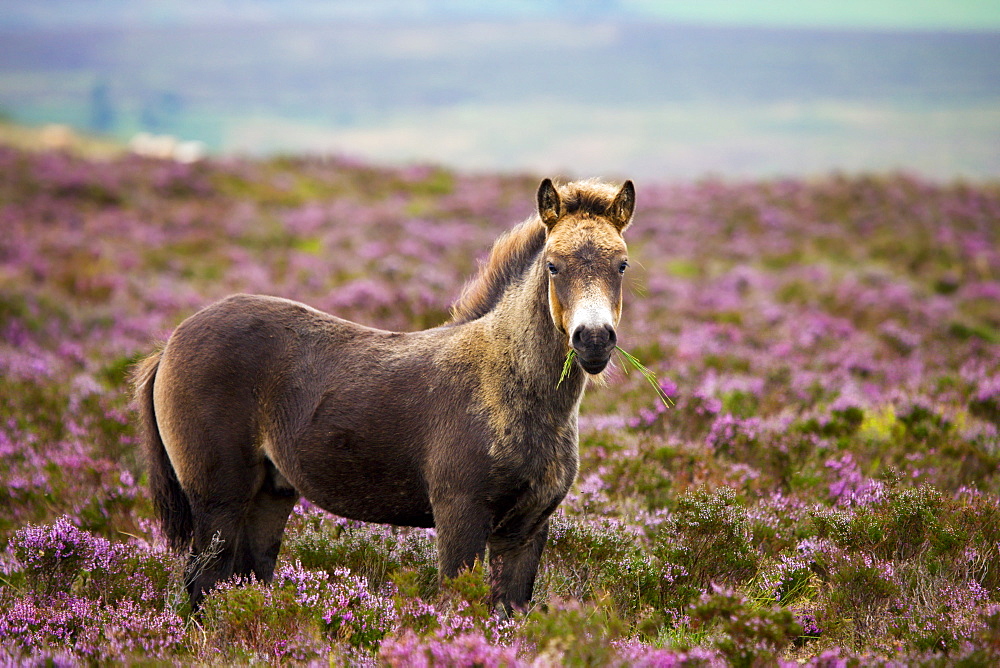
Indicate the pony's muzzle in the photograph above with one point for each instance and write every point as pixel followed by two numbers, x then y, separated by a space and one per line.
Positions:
pixel 593 346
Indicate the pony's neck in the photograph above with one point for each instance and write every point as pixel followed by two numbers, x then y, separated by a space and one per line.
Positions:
pixel 522 320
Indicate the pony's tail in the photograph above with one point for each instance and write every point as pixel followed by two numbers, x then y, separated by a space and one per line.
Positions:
pixel 171 503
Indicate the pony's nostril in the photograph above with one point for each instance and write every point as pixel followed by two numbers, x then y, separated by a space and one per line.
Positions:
pixel 601 337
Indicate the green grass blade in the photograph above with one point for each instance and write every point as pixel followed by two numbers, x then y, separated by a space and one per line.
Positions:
pixel 567 365
pixel 649 375
pixel 629 360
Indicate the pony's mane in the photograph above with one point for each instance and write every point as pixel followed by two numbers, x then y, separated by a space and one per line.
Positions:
pixel 510 256
pixel 515 250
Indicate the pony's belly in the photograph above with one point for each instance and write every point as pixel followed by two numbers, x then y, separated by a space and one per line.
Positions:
pixel 379 486
pixel 383 509
pixel 360 460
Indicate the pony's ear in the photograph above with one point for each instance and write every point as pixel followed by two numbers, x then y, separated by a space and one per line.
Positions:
pixel 620 211
pixel 549 206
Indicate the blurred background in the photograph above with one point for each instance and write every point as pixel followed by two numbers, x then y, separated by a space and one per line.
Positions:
pixel 639 88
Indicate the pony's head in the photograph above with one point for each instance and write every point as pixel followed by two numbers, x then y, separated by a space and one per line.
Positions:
pixel 586 258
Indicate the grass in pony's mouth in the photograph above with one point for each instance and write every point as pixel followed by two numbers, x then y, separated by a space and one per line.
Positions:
pixel 647 374
pixel 567 365
pixel 630 359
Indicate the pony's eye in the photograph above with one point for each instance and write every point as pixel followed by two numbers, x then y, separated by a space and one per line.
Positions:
pixel 553 269
pixel 622 267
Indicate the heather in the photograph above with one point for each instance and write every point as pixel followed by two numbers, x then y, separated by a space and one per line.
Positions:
pixel 823 490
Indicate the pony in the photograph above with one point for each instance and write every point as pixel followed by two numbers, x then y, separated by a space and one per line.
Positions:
pixel 469 427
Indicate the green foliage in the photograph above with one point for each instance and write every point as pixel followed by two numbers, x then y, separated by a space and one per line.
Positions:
pixel 972 330
pixel 746 634
pixel 116 372
pixel 590 559
pixel 925 426
pixel 379 554
pixel 905 523
pixel 470 591
pixel 706 540
pixel 987 409
pixel 253 622
pixel 575 633
pixel 740 404
pixel 860 586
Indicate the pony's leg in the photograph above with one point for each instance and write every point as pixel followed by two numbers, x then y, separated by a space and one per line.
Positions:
pixel 214 547
pixel 220 545
pixel 514 565
pixel 462 527
pixel 265 525
pixel 235 539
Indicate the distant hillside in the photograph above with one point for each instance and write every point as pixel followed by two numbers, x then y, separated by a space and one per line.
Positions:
pixel 586 96
pixel 57 137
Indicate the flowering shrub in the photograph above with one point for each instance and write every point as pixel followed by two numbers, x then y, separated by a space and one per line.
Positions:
pixel 464 650
pixel 100 600
pixel 88 630
pixel 823 493
pixel 748 634
pixel 379 553
pixel 54 556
